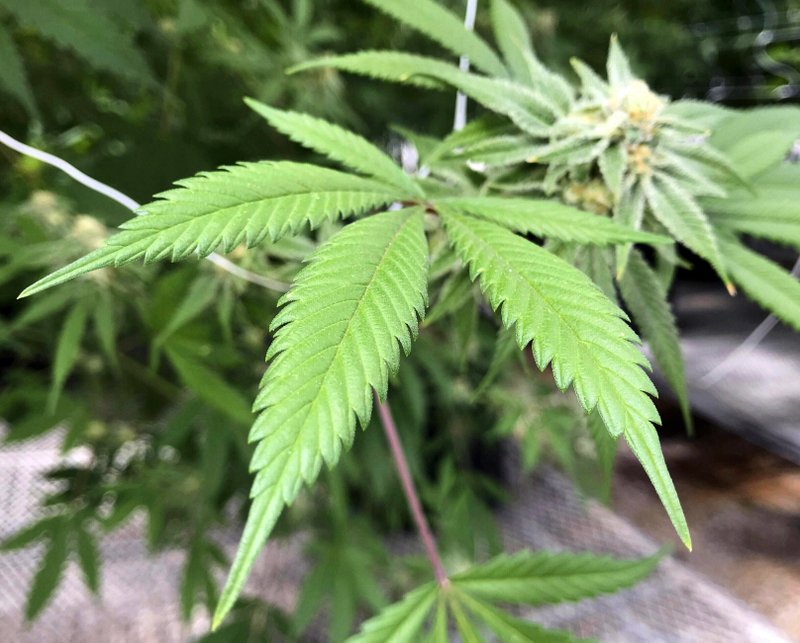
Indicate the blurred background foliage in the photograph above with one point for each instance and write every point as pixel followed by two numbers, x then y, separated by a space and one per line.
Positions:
pixel 151 369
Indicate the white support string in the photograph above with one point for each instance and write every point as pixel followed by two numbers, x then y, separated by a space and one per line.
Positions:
pixel 130 204
pixel 460 118
pixel 747 346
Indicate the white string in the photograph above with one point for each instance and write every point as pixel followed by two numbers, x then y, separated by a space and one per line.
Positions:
pixel 746 347
pixel 460 118
pixel 70 170
pixel 126 201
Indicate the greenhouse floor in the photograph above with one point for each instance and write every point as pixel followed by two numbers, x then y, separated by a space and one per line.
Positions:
pixel 743 506
pixel 682 601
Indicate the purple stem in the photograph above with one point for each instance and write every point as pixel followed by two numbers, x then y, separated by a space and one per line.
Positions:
pixel 428 541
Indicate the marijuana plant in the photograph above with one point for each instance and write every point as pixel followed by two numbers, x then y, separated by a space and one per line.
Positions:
pixel 541 204
pixel 699 173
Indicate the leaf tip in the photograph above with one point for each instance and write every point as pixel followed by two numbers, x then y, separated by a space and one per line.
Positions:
pixel 295 69
pixel 35 288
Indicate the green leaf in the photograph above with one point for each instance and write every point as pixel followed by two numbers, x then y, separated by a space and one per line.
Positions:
pixel 336 339
pixel 67 348
pixel 539 578
pixel 512 39
pixel 510 629
pixel 617 65
pixel 613 163
pixel 576 328
pixel 605 449
pixel 400 622
pixel 344 570
pixel 467 630
pixel 88 557
pixel 549 218
pixel 505 347
pixel 646 447
pixel 475 131
pixel 647 300
pixel 500 151
pixel 446 28
pixel 698 112
pixel 43 307
pixel 48 575
pixel 456 292
pixel 30 534
pixel 393 66
pixel 691 174
pixel 592 84
pixel 733 132
pixel 679 213
pixel 77 26
pixel 530 110
pixel 338 144
pixel 713 161
pixel 245 203
pixel 755 154
pixel 596 262
pixel 201 295
pixel 764 281
pixel 13 78
pixel 767 224
pixel 209 386
pixel 773 212
pixel 439 631
pixel 105 327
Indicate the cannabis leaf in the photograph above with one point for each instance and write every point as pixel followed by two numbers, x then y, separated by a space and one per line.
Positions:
pixel 48 575
pixel 530 110
pixel 764 280
pixel 64 534
pixel 245 203
pixel 468 599
pixel 537 578
pixel 12 72
pixel 69 342
pixel 549 218
pixel 78 26
pixel 513 39
pixel 338 144
pixel 445 28
pixel 646 298
pixel 679 213
pixel 574 327
pixel 772 212
pixel 88 556
pixel 336 338
pixel 401 621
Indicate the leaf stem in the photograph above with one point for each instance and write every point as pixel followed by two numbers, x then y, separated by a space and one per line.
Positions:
pixel 407 482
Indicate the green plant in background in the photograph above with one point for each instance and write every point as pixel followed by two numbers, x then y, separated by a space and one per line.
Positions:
pixel 357 302
pixel 589 171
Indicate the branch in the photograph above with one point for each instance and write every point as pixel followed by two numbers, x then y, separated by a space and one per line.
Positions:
pixel 414 505
pixel 127 202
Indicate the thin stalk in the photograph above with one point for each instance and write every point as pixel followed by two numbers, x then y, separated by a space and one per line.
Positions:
pixel 410 491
